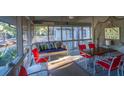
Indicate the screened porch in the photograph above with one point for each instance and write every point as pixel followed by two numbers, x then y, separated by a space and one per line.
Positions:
pixel 61 45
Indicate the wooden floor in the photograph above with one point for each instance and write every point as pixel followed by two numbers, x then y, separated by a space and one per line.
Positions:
pixel 69 70
pixel 66 67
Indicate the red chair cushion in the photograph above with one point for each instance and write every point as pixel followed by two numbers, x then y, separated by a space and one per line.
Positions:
pixel 91 45
pixel 107 63
pixel 36 53
pixel 23 72
pixel 82 47
pixel 88 56
pixel 85 55
pixel 103 64
pixel 42 60
pixel 116 62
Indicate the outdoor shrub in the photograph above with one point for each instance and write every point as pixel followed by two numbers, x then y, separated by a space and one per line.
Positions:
pixel 8 57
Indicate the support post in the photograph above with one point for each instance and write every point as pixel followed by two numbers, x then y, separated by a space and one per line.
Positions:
pixel 19 36
pixel 93 30
pixel 29 42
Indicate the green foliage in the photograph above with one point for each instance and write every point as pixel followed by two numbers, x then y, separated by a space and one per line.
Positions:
pixel 0 55
pixel 7 31
pixel 41 30
pixel 6 28
pixel 8 57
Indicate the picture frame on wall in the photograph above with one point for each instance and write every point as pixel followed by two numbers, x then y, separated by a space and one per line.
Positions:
pixel 112 33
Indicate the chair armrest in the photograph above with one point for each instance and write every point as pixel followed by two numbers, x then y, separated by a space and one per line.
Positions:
pixel 104 60
pixel 82 54
pixel 36 72
pixel 35 69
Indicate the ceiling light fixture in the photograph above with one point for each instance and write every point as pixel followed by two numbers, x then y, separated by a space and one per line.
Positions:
pixel 71 17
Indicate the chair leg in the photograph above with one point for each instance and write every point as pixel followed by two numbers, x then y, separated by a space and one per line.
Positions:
pixel 82 62
pixel 89 64
pixel 122 70
pixel 48 73
pixel 85 63
pixel 109 73
pixel 46 68
pixel 118 72
pixel 94 66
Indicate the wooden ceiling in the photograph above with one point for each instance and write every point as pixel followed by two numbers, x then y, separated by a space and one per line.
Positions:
pixel 66 20
pixel 38 19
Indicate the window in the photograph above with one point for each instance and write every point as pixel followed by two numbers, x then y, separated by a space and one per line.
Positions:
pixel 86 33
pixel 69 33
pixel 54 33
pixel 41 34
pixel 8 48
pixel 76 31
pixel 51 34
pixel 32 31
pixel 27 29
pixel 75 44
pixel 80 33
pixel 70 45
pixel 64 34
pixel 81 42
